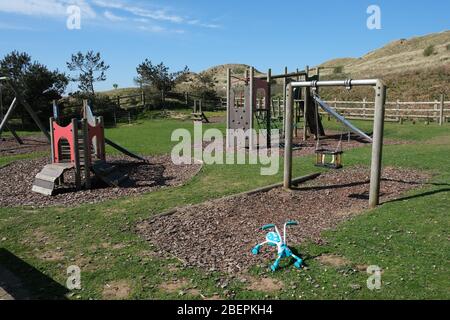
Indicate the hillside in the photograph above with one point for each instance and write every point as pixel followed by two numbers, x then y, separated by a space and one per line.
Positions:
pixel 409 73
pixel 399 56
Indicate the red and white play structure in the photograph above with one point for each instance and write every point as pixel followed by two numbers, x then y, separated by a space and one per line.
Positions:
pixel 80 146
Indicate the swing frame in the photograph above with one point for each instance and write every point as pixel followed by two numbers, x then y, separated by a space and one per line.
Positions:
pixel 378 128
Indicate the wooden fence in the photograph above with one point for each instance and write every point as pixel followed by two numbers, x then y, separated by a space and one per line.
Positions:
pixel 429 111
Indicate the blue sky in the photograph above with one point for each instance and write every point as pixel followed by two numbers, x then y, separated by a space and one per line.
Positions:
pixel 201 33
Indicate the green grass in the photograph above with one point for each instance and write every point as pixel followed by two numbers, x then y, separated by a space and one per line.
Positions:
pixel 407 238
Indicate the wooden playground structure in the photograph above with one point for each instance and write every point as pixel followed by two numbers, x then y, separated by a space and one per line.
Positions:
pixel 80 146
pixel 302 101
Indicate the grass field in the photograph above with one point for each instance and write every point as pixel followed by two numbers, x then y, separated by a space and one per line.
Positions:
pixel 408 238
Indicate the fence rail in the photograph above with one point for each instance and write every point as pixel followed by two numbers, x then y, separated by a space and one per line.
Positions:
pixel 437 110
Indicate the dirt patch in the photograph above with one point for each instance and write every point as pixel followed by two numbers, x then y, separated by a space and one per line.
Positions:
pixel 265 285
pixel 174 286
pixel 219 234
pixel 52 256
pixel 10 147
pixel 17 179
pixel 117 290
pixel 333 260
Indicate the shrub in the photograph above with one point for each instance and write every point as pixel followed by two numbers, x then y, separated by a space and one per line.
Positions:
pixel 428 51
pixel 338 70
pixel 448 47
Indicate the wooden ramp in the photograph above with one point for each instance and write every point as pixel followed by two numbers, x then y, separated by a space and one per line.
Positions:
pixel 111 175
pixel 46 181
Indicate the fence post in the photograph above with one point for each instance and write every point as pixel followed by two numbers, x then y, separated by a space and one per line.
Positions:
pixel 441 111
pixel 279 107
pixel 129 117
pixel 435 113
pixel 399 118
pixel 364 107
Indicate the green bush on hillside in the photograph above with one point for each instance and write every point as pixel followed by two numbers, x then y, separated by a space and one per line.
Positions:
pixel 338 69
pixel 428 51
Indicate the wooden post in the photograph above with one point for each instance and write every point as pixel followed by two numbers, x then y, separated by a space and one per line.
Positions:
pixel 229 104
pixel 52 140
pixel 268 100
pixel 101 144
pixel 364 108
pixel 284 86
pixel 288 117
pixel 252 92
pixel 8 114
pixel 441 111
pixel 279 107
pixel 76 152
pixel 305 107
pixel 435 113
pixel 399 118
pixel 377 145
pixel 87 153
pixel 118 102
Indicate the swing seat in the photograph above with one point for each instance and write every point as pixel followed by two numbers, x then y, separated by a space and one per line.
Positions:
pixel 335 161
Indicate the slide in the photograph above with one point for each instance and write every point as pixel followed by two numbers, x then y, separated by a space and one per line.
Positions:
pixel 341 119
pixel 91 120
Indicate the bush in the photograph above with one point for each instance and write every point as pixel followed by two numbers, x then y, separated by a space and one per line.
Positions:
pixel 448 47
pixel 428 51
pixel 338 70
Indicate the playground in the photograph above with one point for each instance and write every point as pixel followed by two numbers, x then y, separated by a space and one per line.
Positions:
pixel 111 201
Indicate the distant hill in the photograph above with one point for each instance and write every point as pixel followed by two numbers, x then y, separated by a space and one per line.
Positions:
pixel 409 72
pixel 399 56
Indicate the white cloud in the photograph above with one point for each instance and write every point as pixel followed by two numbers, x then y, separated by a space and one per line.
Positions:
pixel 155 29
pixel 158 14
pixel 45 7
pixel 155 14
pixel 112 17
pixel 113 11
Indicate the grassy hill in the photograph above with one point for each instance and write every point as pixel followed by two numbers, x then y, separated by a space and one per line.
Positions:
pixel 399 56
pixel 410 72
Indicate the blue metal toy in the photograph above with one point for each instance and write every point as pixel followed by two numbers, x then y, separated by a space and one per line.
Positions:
pixel 273 239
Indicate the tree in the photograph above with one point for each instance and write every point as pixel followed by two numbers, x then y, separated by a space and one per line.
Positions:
pixel 159 77
pixel 90 67
pixel 115 86
pixel 37 83
pixel 204 86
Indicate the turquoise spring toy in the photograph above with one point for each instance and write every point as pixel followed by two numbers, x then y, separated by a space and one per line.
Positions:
pixel 273 238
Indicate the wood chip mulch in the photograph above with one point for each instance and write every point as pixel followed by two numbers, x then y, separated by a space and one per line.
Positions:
pixel 218 235
pixel 16 180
